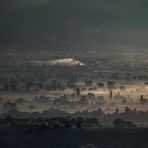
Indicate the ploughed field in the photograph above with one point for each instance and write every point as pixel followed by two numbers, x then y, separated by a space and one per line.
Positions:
pixel 73 138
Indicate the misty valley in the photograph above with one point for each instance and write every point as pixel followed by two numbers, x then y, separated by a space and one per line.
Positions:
pixel 65 96
pixel 66 87
pixel 73 74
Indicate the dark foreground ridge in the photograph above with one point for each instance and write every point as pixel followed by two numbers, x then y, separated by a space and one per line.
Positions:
pixel 74 138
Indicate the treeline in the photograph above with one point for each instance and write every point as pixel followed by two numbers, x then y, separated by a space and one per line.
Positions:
pixel 61 123
pixel 52 123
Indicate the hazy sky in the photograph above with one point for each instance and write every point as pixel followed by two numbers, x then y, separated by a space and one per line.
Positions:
pixel 73 24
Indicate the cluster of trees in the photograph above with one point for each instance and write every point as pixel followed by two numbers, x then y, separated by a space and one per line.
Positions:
pixel 119 123
pixel 31 85
pixel 14 85
pixel 143 100
pixel 55 85
pixel 61 123
pixel 9 106
pixel 53 123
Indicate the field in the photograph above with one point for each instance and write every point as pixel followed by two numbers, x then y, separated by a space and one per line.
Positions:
pixel 74 138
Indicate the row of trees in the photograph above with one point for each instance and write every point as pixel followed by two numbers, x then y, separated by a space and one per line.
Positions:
pixel 61 122
pixel 53 123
